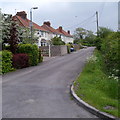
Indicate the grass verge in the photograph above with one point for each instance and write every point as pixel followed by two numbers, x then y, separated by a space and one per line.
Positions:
pixel 97 88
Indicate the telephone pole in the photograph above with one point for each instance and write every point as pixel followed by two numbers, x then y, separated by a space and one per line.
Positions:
pixel 97 22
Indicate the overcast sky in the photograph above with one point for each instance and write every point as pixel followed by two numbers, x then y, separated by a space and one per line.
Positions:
pixel 68 13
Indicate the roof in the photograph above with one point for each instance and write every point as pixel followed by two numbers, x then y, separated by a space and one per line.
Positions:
pixel 50 29
pixel 26 23
pixel 64 33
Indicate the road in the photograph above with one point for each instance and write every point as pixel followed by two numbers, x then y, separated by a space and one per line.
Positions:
pixel 43 91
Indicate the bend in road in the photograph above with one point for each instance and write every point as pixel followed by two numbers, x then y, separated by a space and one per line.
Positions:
pixel 43 91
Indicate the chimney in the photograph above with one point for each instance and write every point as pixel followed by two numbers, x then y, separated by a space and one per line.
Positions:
pixel 60 28
pixel 47 23
pixel 22 14
pixel 68 31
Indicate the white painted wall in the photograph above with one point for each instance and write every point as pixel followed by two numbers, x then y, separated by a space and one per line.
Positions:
pixel 48 36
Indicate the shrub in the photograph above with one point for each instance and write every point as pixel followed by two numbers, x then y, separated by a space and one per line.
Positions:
pixel 57 41
pixel 32 51
pixel 40 56
pixel 68 48
pixel 20 60
pixel 0 62
pixel 98 42
pixel 6 61
pixel 110 51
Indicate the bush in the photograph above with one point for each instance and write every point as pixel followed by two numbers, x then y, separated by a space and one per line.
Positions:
pixel 32 51
pixel 98 42
pixel 57 41
pixel 0 62
pixel 40 56
pixel 6 61
pixel 20 61
pixel 68 48
pixel 110 51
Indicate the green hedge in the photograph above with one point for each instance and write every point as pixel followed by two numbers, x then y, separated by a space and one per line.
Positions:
pixel 32 51
pixel 40 56
pixel 0 62
pixel 110 51
pixel 6 61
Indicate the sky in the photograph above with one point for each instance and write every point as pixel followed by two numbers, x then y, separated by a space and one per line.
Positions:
pixel 67 13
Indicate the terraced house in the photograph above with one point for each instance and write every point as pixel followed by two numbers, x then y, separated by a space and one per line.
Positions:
pixel 45 32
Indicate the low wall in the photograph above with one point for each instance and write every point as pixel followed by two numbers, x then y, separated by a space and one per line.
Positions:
pixel 77 47
pixel 56 50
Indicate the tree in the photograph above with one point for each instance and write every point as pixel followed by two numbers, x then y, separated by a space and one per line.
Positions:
pixel 6 24
pixel 57 41
pixel 25 36
pixel 83 36
pixel 0 30
pixel 104 32
pixel 14 37
pixel 10 33
pixel 79 33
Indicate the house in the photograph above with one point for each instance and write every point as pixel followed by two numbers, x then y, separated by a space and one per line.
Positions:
pixel 65 36
pixel 45 32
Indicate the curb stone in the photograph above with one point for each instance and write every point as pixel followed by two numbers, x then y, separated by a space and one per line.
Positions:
pixel 102 115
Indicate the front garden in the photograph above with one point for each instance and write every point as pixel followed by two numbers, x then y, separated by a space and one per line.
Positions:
pixel 16 52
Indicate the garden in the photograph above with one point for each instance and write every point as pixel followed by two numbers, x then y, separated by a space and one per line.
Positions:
pixel 16 52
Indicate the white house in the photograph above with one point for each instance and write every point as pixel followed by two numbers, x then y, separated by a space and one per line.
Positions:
pixel 45 32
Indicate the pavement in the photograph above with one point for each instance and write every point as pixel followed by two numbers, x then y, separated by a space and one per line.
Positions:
pixel 43 91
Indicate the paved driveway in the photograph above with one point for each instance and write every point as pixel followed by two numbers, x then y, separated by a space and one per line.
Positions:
pixel 43 91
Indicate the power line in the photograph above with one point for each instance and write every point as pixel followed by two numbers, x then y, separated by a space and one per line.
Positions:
pixel 101 10
pixel 83 22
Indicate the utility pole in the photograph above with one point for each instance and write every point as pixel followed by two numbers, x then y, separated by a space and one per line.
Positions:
pixel 31 24
pixel 97 22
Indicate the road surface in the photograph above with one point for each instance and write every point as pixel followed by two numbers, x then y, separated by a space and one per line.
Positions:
pixel 43 91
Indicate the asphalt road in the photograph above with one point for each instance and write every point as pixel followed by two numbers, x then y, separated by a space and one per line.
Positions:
pixel 43 91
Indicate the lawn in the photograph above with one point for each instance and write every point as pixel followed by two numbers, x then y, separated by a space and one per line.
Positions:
pixel 96 88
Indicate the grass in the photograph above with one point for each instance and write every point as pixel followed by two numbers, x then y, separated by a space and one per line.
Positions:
pixel 96 88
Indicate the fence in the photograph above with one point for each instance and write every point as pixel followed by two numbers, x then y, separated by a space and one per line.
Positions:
pixel 57 50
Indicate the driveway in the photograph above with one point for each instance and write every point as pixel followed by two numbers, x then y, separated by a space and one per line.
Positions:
pixel 43 91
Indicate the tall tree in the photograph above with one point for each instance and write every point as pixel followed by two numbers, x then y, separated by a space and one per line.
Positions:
pixel 6 24
pixel 83 36
pixel 10 34
pixel 79 33
pixel 14 37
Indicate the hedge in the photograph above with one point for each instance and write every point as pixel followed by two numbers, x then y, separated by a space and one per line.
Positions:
pixel 20 60
pixel 110 51
pixel 6 61
pixel 0 62
pixel 40 56
pixel 32 51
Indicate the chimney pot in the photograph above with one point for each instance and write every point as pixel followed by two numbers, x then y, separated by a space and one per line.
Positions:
pixel 22 14
pixel 47 23
pixel 68 31
pixel 60 28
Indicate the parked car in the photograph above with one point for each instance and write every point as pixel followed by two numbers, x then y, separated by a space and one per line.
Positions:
pixel 71 49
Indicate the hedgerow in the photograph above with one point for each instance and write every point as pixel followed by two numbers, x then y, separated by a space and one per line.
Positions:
pixel 20 60
pixel 6 61
pixel 32 51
